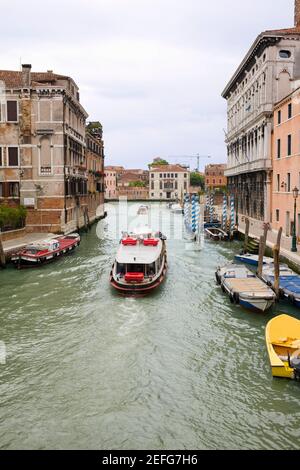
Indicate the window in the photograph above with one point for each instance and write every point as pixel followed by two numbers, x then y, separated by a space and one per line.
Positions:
pixel 13 190
pixel 1 156
pixel 279 117
pixel 277 215
pixel 220 181
pixel 289 145
pixel 12 111
pixel 289 182
pixel 176 175
pixel 290 112
pixel 1 189
pixel 278 183
pixel 13 156
pixel 160 175
pixel 152 175
pixel 284 54
pixel 278 148
pixel 152 184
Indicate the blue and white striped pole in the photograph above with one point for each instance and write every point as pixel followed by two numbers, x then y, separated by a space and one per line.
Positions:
pixel 232 221
pixel 194 213
pixel 224 215
pixel 187 211
pixel 211 208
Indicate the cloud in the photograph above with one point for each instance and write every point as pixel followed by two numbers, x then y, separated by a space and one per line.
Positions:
pixel 151 71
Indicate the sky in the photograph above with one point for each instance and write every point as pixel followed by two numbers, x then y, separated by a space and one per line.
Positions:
pixel 152 71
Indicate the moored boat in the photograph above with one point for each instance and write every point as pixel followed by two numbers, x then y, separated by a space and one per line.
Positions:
pixel 216 234
pixel 37 254
pixel 245 288
pixel 289 282
pixel 143 210
pixel 283 345
pixel 252 260
pixel 176 209
pixel 141 262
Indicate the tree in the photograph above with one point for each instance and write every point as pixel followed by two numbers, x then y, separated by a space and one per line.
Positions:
pixel 197 180
pixel 158 162
pixel 137 184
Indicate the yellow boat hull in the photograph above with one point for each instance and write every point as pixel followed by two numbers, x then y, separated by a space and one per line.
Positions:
pixel 283 342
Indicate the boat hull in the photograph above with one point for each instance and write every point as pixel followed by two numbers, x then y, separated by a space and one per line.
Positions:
pixel 281 334
pixel 137 289
pixel 24 261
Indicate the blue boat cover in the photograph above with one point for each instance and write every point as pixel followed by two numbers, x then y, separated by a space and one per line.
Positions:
pixel 288 283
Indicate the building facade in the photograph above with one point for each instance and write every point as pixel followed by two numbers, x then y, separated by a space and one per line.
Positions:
pixel 214 176
pixel 168 182
pixel 133 184
pixel 268 73
pixel 286 166
pixel 43 163
pixel 111 176
pixel 95 170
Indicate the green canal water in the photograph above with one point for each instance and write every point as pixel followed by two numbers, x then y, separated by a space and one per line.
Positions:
pixel 182 368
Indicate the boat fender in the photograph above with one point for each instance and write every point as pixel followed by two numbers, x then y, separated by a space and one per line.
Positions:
pixel 223 288
pixel 231 297
pixel 236 298
pixel 218 279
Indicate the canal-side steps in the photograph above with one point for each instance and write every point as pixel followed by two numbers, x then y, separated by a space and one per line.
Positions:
pixel 244 288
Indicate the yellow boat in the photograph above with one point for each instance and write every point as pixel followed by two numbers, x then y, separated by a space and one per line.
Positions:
pixel 283 344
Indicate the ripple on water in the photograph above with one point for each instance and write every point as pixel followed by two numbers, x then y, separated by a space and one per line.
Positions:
pixel 182 368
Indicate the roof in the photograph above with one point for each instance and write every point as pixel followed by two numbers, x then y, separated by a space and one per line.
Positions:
pixel 114 168
pixel 13 79
pixel 260 43
pixel 138 254
pixel 168 168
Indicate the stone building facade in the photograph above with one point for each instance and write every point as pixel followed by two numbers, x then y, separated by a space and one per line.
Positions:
pixel 168 182
pixel 43 163
pixel 111 176
pixel 268 73
pixel 214 176
pixel 95 170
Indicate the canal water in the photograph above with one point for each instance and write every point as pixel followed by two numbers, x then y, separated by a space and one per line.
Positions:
pixel 180 369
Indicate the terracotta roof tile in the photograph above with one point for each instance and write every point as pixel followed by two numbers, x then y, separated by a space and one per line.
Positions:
pixel 13 79
pixel 168 168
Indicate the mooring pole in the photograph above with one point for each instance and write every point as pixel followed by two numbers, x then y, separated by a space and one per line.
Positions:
pixel 261 256
pixel 247 221
pixel 2 254
pixel 276 251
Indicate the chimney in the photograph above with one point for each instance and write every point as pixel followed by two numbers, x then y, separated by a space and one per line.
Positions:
pixel 297 13
pixel 26 75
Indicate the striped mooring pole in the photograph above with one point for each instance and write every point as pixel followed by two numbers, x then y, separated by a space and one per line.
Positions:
pixel 232 220
pixel 195 213
pixel 211 208
pixel 187 211
pixel 224 215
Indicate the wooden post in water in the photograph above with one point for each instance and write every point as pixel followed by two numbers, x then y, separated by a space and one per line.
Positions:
pixel 2 255
pixel 261 255
pixel 246 235
pixel 279 238
pixel 276 251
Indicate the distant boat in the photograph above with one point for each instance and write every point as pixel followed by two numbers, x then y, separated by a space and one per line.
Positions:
pixel 252 259
pixel 143 210
pixel 141 262
pixel 216 234
pixel 283 345
pixel 289 282
pixel 244 288
pixel 176 209
pixel 37 254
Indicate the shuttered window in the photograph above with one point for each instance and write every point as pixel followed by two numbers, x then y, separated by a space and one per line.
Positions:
pixel 12 111
pixel 13 156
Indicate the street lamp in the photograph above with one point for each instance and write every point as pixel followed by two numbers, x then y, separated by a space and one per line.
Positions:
pixel 294 241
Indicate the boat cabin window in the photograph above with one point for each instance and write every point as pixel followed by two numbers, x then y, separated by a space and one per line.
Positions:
pixel 135 268
pixel 150 269
pixel 121 268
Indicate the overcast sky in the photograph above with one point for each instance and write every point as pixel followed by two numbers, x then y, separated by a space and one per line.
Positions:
pixel 151 71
